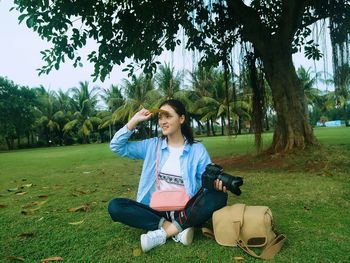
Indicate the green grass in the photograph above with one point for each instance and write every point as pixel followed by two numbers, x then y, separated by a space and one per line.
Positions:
pixel 311 204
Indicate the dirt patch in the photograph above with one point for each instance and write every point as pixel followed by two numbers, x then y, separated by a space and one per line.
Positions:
pixel 250 162
pixel 285 162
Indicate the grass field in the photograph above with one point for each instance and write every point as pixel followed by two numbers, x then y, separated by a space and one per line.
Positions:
pixel 40 189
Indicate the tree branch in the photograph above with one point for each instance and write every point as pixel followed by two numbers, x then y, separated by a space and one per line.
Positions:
pixel 252 28
pixel 291 18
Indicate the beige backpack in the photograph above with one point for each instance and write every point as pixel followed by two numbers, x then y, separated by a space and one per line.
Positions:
pixel 246 226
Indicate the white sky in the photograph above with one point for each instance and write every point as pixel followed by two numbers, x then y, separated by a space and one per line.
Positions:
pixel 20 57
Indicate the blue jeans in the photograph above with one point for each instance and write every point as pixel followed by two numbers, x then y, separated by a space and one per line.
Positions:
pixel 197 211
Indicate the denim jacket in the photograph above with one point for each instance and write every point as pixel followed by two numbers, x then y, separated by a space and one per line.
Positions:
pixel 193 161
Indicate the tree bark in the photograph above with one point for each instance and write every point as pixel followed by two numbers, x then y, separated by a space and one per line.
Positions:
pixel 293 130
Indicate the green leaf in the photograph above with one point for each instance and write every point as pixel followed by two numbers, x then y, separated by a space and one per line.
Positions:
pixel 30 22
pixel 21 18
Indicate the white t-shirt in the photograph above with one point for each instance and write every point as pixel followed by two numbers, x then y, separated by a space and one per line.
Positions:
pixel 170 177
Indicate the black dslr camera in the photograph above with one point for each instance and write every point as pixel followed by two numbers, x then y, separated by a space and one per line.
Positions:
pixel 213 172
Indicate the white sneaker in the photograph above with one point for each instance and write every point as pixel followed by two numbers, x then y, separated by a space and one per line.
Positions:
pixel 153 239
pixel 185 237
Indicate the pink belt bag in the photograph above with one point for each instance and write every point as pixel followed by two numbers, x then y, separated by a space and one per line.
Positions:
pixel 167 200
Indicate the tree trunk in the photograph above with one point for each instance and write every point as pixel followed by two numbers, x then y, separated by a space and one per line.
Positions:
pixel 8 142
pixel 267 126
pixel 222 125
pixel 28 138
pixel 32 137
pixel 208 127
pixel 239 130
pixel 199 127
pixel 293 130
pixel 212 127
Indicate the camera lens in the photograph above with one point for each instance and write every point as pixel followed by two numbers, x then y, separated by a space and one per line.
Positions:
pixel 232 183
pixel 213 172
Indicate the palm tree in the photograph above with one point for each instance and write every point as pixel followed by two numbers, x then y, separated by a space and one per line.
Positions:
pixel 63 116
pixel 84 118
pixel 168 81
pixel 202 80
pixel 114 99
pixel 312 94
pixel 46 109
pixel 139 93
pixel 215 105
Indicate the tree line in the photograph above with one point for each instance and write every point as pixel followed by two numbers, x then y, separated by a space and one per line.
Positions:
pixel 32 117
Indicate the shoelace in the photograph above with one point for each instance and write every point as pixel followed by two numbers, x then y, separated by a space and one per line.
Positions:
pixel 177 238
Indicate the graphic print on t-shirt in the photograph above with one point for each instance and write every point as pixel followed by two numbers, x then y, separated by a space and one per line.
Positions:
pixel 171 178
pixel 170 175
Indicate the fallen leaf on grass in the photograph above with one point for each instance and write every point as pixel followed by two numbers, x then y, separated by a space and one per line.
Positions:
pixel 136 252
pixel 28 185
pixel 15 258
pixel 32 204
pixel 28 210
pixel 2 206
pixel 28 234
pixel 238 258
pixel 20 193
pixel 83 208
pixel 76 223
pixel 13 189
pixel 79 192
pixel 51 259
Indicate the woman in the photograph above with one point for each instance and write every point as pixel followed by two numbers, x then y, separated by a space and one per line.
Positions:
pixel 181 162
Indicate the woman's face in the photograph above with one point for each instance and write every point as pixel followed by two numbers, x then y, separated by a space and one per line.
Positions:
pixel 170 122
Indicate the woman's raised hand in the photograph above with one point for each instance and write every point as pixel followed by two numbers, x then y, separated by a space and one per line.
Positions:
pixel 139 116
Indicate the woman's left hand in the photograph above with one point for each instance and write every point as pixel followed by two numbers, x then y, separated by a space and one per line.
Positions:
pixel 218 186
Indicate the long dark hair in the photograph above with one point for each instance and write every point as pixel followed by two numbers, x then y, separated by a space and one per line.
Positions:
pixel 179 108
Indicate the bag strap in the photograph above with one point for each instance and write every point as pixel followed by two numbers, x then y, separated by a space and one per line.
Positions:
pixel 269 251
pixel 157 151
